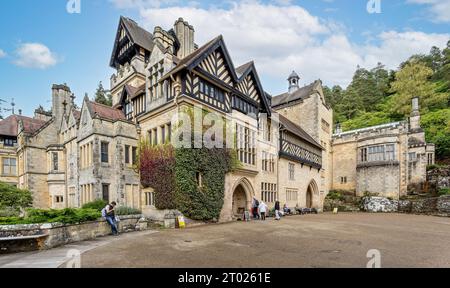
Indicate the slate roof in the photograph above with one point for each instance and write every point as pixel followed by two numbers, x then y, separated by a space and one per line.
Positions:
pixel 105 112
pixel 138 35
pixel 301 93
pixel 297 130
pixel 241 69
pixel 10 126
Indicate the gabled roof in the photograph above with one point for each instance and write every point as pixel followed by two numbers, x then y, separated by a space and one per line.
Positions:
pixel 297 130
pixel 103 111
pixel 188 61
pixel 137 91
pixel 136 34
pixel 10 126
pixel 195 58
pixel 243 68
pixel 301 93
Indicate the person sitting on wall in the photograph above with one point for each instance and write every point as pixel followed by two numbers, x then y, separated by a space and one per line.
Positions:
pixel 286 209
pixel 110 216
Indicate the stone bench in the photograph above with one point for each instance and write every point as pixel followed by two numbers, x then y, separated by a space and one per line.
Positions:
pixel 14 244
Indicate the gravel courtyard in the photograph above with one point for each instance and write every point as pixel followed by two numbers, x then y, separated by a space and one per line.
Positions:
pixel 324 240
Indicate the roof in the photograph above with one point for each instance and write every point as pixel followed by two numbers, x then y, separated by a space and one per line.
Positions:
pixel 297 130
pixel 301 93
pixel 104 111
pixel 293 75
pixel 241 69
pixel 138 35
pixel 77 115
pixel 188 60
pixel 136 91
pixel 10 126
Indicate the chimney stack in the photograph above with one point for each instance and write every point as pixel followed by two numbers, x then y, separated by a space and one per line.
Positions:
pixel 185 34
pixel 414 120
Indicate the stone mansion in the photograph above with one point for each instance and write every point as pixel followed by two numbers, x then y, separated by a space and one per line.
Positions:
pixel 70 156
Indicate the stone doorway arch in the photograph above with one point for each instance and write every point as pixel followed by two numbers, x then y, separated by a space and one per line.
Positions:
pixel 310 193
pixel 242 197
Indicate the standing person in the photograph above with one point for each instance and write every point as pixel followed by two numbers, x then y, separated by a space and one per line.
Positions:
pixel 109 214
pixel 277 210
pixel 255 205
pixel 263 210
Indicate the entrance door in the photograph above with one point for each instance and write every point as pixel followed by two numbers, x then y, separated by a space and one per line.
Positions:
pixel 309 198
pixel 239 201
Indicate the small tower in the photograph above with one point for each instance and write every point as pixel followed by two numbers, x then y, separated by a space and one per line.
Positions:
pixel 414 120
pixel 293 82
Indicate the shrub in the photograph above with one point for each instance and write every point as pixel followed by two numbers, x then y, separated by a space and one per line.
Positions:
pixel 9 212
pixel 127 211
pixel 13 197
pixel 444 191
pixel 65 216
pixel 96 205
pixel 335 195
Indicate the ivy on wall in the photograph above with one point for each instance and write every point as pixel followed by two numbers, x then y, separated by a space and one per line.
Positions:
pixel 189 180
pixel 156 167
pixel 200 181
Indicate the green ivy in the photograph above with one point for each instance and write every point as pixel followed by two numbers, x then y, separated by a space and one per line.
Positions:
pixel 205 201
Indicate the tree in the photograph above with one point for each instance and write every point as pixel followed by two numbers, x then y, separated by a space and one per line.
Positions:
pixel 413 80
pixel 103 96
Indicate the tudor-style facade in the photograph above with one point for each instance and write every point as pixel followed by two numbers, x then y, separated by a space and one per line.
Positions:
pixel 152 88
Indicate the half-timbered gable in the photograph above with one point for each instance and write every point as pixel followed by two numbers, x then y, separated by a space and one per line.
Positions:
pixel 130 40
pixel 210 77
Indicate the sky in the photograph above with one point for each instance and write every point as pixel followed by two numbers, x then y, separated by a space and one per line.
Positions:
pixel 49 42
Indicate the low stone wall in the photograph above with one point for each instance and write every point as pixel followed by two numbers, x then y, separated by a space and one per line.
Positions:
pixel 429 206
pixel 22 238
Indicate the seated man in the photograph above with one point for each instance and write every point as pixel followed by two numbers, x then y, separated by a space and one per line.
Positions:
pixel 286 210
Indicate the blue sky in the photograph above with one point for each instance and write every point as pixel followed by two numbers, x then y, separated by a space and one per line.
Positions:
pixel 42 43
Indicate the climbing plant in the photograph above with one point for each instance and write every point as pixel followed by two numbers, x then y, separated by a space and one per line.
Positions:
pixel 156 166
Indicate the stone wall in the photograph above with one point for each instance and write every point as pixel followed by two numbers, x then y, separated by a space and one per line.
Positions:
pixel 22 238
pixel 429 206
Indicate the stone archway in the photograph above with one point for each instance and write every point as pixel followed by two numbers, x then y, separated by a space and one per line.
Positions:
pixel 241 197
pixel 310 193
pixel 239 201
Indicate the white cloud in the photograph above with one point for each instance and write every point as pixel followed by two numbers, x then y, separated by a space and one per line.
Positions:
pixel 35 55
pixel 439 9
pixel 2 53
pixel 282 38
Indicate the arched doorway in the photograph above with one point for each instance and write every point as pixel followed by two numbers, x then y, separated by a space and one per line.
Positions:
pixel 312 190
pixel 309 198
pixel 241 198
pixel 239 201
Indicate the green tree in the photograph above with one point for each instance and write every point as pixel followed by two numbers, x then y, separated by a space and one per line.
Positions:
pixel 413 80
pixel 103 96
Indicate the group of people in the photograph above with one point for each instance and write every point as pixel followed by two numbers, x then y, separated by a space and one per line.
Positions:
pixel 260 210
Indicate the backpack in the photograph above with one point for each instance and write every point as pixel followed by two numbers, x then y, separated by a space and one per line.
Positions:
pixel 256 203
pixel 104 212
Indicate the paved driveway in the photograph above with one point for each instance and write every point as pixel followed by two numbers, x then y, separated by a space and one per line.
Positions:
pixel 324 240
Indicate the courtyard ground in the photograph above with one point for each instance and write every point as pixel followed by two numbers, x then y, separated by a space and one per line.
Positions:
pixel 324 240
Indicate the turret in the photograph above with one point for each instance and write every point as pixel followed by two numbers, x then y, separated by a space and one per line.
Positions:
pixel 293 82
